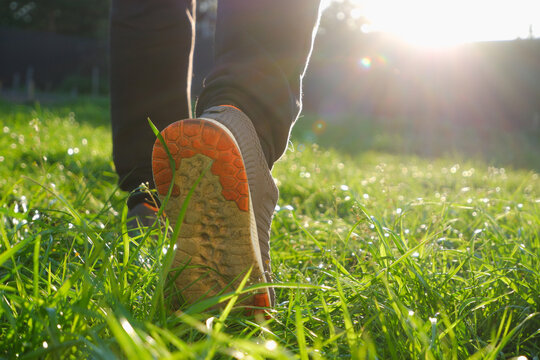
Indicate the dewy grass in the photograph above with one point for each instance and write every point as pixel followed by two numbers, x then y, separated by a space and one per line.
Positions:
pixel 375 256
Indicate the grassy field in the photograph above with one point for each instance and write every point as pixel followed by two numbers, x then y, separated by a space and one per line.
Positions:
pixel 376 255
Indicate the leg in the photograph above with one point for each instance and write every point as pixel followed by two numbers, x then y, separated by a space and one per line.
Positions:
pixel 151 52
pixel 262 48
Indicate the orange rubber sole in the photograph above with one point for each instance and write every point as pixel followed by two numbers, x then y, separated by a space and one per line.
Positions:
pixel 190 137
pixel 216 237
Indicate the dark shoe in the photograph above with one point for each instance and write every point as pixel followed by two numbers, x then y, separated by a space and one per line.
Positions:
pixel 141 215
pixel 225 231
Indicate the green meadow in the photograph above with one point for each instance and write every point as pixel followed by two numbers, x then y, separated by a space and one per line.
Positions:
pixel 379 250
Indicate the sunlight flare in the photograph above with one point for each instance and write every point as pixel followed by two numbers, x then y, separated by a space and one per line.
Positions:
pixel 440 23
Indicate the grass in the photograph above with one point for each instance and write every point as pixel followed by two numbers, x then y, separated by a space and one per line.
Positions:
pixel 376 256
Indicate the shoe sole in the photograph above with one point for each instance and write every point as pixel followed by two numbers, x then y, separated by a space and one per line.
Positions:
pixel 217 243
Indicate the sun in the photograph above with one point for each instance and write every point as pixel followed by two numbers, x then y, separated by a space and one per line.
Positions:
pixel 438 23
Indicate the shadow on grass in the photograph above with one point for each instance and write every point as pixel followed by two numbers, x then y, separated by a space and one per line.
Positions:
pixel 93 111
pixel 88 167
pixel 494 145
pixel 513 148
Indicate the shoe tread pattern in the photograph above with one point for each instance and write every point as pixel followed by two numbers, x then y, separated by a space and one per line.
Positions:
pixel 215 238
pixel 187 138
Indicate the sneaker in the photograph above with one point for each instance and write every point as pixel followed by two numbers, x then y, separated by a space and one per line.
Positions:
pixel 141 215
pixel 226 228
pixel 143 208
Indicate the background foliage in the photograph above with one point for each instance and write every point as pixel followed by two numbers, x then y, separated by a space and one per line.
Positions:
pixel 78 18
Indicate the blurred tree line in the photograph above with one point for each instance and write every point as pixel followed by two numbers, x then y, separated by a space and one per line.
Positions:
pixel 90 18
pixel 35 32
pixel 86 18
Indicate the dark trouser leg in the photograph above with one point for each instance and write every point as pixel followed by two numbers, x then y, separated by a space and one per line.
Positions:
pixel 151 47
pixel 262 48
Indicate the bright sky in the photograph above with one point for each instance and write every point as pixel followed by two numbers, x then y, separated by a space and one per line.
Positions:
pixel 448 22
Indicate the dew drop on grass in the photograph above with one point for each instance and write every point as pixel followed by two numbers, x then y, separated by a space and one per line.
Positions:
pixel 238 354
pixel 127 327
pixel 365 196
pixel 415 254
pixel 24 202
pixel 210 323
pixel 520 206
pixel 411 313
pixel 45 345
pixel 344 187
